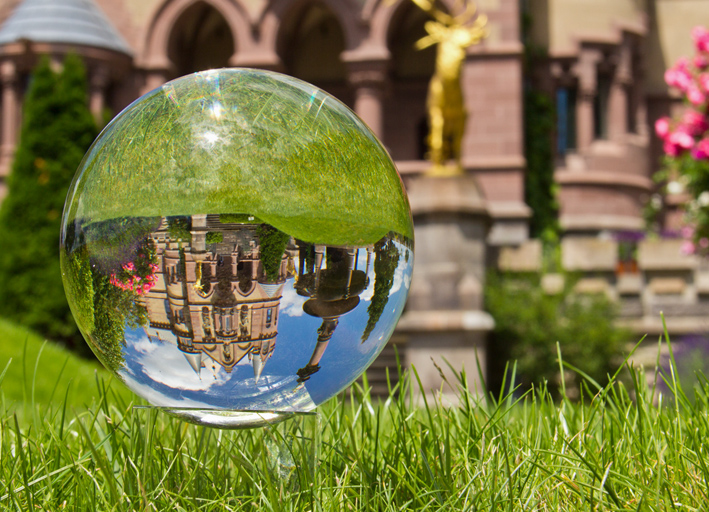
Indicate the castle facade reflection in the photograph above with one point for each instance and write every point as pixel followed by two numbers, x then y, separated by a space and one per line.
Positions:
pixel 218 288
pixel 187 310
pixel 213 297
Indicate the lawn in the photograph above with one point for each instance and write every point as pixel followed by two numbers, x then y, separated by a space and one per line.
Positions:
pixel 626 448
pixel 44 373
pixel 248 142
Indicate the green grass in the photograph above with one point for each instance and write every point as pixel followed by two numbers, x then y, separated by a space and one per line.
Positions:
pixel 280 150
pixel 44 373
pixel 626 448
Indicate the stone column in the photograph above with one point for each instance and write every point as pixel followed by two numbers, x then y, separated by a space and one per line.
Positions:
pixel 97 93
pixel 444 316
pixel 586 71
pixel 154 78
pixel 369 80
pixel 10 109
pixel 619 99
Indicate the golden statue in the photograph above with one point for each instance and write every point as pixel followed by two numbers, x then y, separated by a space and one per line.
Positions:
pixel 444 103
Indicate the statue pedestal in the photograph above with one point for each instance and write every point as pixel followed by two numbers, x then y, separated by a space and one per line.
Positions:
pixel 444 317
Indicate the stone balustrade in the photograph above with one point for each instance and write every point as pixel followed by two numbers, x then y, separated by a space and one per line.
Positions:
pixel 658 279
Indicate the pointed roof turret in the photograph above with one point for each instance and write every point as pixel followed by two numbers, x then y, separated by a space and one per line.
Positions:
pixel 195 361
pixel 258 364
pixel 78 22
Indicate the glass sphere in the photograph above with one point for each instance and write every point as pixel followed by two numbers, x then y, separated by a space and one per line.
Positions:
pixel 236 247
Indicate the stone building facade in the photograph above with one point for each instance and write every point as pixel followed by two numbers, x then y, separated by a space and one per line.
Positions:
pixel 602 66
pixel 360 52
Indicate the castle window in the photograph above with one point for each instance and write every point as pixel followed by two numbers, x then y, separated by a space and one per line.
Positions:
pixel 600 106
pixel 565 119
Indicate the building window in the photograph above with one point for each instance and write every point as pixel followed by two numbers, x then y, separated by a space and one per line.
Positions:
pixel 600 106
pixel 631 110
pixel 565 120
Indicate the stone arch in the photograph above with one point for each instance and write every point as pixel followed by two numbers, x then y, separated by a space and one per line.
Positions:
pixel 311 41
pixel 381 17
pixel 397 27
pixel 347 12
pixel 155 54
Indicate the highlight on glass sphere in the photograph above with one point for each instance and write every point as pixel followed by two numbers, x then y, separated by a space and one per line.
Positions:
pixel 236 247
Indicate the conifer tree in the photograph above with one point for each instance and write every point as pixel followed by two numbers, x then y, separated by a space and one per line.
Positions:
pixel 384 269
pixel 57 130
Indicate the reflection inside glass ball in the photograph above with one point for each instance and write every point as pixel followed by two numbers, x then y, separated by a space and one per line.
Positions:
pixel 236 318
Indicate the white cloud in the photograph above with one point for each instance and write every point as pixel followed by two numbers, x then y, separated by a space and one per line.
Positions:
pixel 291 302
pixel 164 363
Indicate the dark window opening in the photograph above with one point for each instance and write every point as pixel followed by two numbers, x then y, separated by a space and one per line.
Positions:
pixel 600 106
pixel 565 120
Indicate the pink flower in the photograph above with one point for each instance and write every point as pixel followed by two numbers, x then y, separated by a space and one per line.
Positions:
pixel 701 39
pixel 701 150
pixel 670 149
pixel 704 243
pixel 681 139
pixel 704 82
pixel 700 62
pixel 662 127
pixel 679 75
pixel 695 123
pixel 687 232
pixel 695 95
pixel 687 247
pixel 129 266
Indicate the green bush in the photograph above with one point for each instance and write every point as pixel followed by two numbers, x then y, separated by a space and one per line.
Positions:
pixel 530 322
pixel 272 246
pixel 179 228
pixel 214 237
pixel 57 129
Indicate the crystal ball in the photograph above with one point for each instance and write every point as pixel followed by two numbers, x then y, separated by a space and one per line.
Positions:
pixel 236 247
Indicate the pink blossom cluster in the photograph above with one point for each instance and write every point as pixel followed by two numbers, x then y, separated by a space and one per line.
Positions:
pixel 690 245
pixel 129 279
pixel 692 79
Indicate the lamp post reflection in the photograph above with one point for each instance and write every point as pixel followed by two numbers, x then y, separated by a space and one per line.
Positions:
pixel 333 291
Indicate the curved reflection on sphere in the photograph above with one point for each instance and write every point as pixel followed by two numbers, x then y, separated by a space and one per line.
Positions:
pixel 237 247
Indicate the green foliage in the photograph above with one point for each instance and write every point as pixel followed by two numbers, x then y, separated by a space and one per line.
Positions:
pixel 215 237
pixel 628 448
pixel 272 245
pixel 387 259
pixel 540 188
pixel 115 242
pixel 696 175
pixel 238 218
pixel 530 322
pixel 80 288
pixel 539 128
pixel 179 228
pixel 57 129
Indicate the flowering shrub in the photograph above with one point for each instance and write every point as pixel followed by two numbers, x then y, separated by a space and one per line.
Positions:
pixel 138 276
pixel 686 140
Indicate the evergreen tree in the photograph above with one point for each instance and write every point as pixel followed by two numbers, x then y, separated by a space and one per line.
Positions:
pixel 384 269
pixel 57 130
